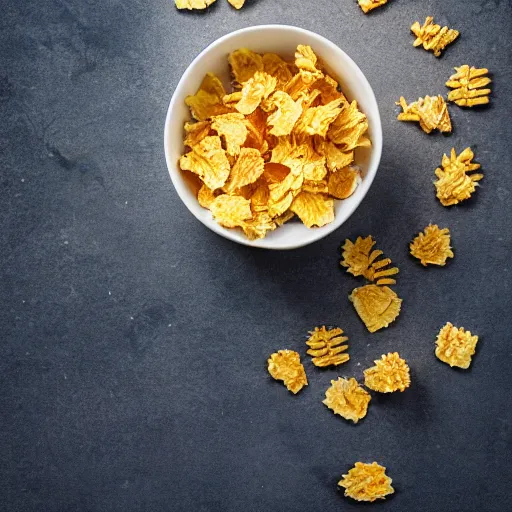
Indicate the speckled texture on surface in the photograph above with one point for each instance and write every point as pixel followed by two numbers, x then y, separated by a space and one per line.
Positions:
pixel 134 340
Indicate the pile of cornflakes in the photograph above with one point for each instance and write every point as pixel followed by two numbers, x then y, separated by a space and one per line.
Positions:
pixel 280 144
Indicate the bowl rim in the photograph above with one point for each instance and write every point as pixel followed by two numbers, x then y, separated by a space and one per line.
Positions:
pixel 179 185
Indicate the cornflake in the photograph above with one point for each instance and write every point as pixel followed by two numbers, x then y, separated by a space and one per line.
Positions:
pixel 432 36
pixel 455 346
pixel 285 365
pixel 360 260
pixel 377 306
pixel 327 347
pixel 367 482
pixel 389 374
pixel 346 398
pixel 468 86
pixel 369 5
pixel 282 142
pixel 237 4
pixel 431 112
pixel 432 246
pixel 455 184
pixel 193 4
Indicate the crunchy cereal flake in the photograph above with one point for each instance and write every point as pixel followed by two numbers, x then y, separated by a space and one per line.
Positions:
pixel 305 58
pixel 468 86
pixel 196 132
pixel 205 197
pixel 343 183
pixel 231 211
pixel 244 64
pixel 208 160
pixel 389 374
pixel 247 169
pixel 260 224
pixel 431 112
pixel 455 346
pixel 257 88
pixel 349 129
pixel 335 158
pixel 233 129
pixel 367 482
pixel 278 68
pixel 432 36
pixel 432 246
pixel 327 347
pixel 377 306
pixel 284 118
pixel 237 4
pixel 454 184
pixel 313 209
pixel 193 4
pixel 346 398
pixel 369 5
pixel 285 365
pixel 207 101
pixel 316 120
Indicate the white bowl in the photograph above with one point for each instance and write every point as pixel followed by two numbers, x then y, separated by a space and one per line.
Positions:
pixel 282 40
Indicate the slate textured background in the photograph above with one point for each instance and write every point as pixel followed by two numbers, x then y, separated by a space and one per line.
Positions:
pixel 134 341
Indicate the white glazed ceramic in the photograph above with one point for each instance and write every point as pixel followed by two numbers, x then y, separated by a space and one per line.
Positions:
pixel 282 40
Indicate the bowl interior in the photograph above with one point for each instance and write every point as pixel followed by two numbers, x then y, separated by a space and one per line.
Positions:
pixel 281 40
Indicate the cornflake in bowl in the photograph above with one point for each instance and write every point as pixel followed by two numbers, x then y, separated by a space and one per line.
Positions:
pixel 275 149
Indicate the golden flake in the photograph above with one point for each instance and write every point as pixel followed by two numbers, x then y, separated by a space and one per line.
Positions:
pixel 237 4
pixel 349 129
pixel 455 184
pixel 244 64
pixel 327 347
pixel 278 68
pixel 389 374
pixel 346 398
pixel 313 209
pixel 305 58
pixel 285 365
pixel 343 183
pixel 336 159
pixel 256 89
pixel 432 36
pixel 231 211
pixel 369 5
pixel 232 128
pixel 377 306
pixel 316 120
pixel 207 101
pixel 193 4
pixel 455 346
pixel 284 118
pixel 205 197
pixel 247 169
pixel 360 260
pixel 367 482
pixel 468 86
pixel 432 246
pixel 328 89
pixel 208 160
pixel 260 224
pixel 275 172
pixel 431 112
pixel 196 132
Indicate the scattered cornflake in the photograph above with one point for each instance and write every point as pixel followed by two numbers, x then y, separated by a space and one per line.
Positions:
pixel 360 260
pixel 455 346
pixel 346 398
pixel 208 160
pixel 193 4
pixel 237 4
pixel 432 36
pixel 468 86
pixel 454 184
pixel 369 5
pixel 327 347
pixel 285 365
pixel 207 101
pixel 377 306
pixel 432 246
pixel 343 183
pixel 231 211
pixel 431 112
pixel 367 482
pixel 282 142
pixel 389 374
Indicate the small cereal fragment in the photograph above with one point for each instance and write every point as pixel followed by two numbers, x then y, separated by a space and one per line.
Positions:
pixel 369 5
pixel 278 68
pixel 231 211
pixel 205 197
pixel 343 183
pixel 193 4
pixel 455 346
pixel 244 64
pixel 349 129
pixel 247 169
pixel 468 86
pixel 232 128
pixel 207 101
pixel 327 347
pixel 284 118
pixel 305 58
pixel 432 36
pixel 256 89
pixel 260 224
pixel 346 398
pixel 316 120
pixel 432 246
pixel 454 184
pixel 389 374
pixel 377 306
pixel 367 482
pixel 360 260
pixel 335 157
pixel 237 4
pixel 196 132
pixel 285 365
pixel 431 112
pixel 208 160
pixel 313 209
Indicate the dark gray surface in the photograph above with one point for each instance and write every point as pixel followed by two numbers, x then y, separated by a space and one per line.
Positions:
pixel 134 340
